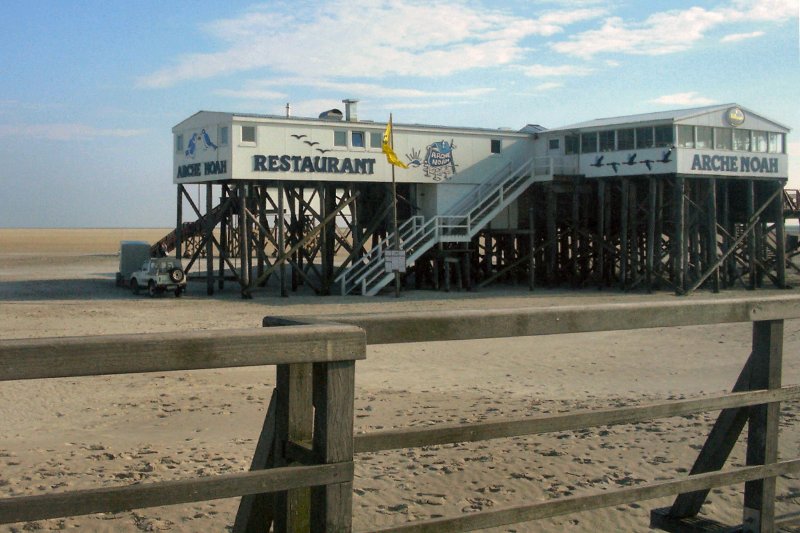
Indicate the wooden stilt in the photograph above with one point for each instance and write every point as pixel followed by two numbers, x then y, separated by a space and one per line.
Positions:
pixel 751 239
pixel 552 250
pixel 601 233
pixel 280 221
pixel 623 233
pixel 651 232
pixel 679 248
pixel 209 240
pixel 179 224
pixel 711 242
pixel 780 238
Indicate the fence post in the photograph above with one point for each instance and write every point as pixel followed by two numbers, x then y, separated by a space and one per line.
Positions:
pixel 762 431
pixel 334 386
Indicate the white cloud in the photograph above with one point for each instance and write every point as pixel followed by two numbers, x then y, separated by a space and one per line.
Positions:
pixel 683 99
pixel 546 71
pixel 735 37
pixel 64 131
pixel 548 86
pixel 671 31
pixel 372 90
pixel 398 40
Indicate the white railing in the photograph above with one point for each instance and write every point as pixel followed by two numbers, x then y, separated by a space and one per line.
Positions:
pixel 460 224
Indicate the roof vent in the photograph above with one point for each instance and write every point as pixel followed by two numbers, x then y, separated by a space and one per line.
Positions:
pixel 350 110
pixel 331 114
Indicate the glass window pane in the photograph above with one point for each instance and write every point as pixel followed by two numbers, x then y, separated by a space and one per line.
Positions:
pixel 775 142
pixel 588 143
pixel 495 146
pixel 554 144
pixel 179 143
pixel 644 137
pixel 759 141
pixel 223 135
pixel 358 139
pixel 705 137
pixel 375 139
pixel 686 136
pixel 664 136
pixel 571 144
pixel 741 140
pixel 340 138
pixel 607 139
pixel 248 134
pixel 723 139
pixel 625 139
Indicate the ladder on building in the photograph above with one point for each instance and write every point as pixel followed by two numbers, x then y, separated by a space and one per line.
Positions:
pixel 459 224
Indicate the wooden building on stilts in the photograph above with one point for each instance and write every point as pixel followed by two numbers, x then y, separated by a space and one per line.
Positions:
pixel 674 200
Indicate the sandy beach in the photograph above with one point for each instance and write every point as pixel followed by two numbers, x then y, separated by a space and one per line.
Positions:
pixel 111 430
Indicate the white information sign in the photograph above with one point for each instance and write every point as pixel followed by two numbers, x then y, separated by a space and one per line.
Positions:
pixel 395 261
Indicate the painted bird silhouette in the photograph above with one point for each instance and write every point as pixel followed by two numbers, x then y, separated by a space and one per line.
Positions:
pixel 631 159
pixel 191 147
pixel 322 151
pixel 598 162
pixel 613 165
pixel 665 156
pixel 207 140
pixel 298 137
pixel 648 163
pixel 311 143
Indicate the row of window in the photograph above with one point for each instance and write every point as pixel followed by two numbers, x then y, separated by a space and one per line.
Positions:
pixel 358 139
pixel 704 137
pixel 203 139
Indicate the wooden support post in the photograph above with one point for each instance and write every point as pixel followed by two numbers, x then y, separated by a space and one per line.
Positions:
pixel 574 236
pixel 224 224
pixel 711 223
pixel 334 384
pixel 729 265
pixel 679 246
pixel 280 221
pixel 552 248
pixel 651 232
pixel 762 434
pixel 601 233
pixel 261 208
pixel 209 231
pixel 633 228
pixel 659 232
pixel 244 275
pixel 780 238
pixel 531 248
pixel 293 424
pixel 179 224
pixel 751 239
pixel 623 233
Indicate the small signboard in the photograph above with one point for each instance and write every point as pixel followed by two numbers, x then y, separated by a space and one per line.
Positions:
pixel 395 261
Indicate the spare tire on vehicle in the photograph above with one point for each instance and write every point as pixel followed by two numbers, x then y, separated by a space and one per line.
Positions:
pixel 176 275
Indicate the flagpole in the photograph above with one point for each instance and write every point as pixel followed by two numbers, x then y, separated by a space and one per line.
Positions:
pixel 394 216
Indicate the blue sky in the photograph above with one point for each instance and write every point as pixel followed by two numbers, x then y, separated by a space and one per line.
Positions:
pixel 90 89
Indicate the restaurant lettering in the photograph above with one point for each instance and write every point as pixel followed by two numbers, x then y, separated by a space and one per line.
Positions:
pixel 297 163
pixel 732 163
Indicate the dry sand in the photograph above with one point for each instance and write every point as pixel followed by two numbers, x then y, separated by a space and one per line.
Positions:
pixel 77 433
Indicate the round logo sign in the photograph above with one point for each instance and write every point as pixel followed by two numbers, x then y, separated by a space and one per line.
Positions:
pixel 735 116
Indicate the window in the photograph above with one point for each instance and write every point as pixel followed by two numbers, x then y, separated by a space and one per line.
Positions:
pixel 759 141
pixel 495 146
pixel 686 136
pixel 588 143
pixel 340 138
pixel 179 143
pixel 375 139
pixel 705 137
pixel 664 136
pixel 222 136
pixel 607 139
pixel 741 140
pixel 572 144
pixel 723 139
pixel 248 134
pixel 357 139
pixel 625 139
pixel 644 137
pixel 775 143
pixel 554 144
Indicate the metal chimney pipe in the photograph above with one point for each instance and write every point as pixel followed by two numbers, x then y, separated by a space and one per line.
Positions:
pixel 350 110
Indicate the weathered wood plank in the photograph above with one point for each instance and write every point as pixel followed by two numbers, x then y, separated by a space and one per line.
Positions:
pixel 334 389
pixel 118 499
pixel 573 504
pixel 187 350
pixel 399 327
pixel 762 434
pixel 448 434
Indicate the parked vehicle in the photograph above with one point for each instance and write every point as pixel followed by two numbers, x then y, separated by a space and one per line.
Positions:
pixel 159 275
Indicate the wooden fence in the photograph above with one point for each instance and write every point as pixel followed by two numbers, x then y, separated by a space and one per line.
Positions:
pixel 310 419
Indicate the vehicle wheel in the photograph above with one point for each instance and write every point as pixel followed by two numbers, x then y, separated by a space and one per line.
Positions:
pixel 176 275
pixel 134 286
pixel 178 292
pixel 151 289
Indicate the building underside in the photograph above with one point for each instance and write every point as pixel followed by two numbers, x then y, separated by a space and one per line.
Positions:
pixel 670 232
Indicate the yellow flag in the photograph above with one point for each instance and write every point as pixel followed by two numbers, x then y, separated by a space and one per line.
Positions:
pixel 386 146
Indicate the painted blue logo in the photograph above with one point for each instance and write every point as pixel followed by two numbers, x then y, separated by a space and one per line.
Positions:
pixel 197 138
pixel 439 163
